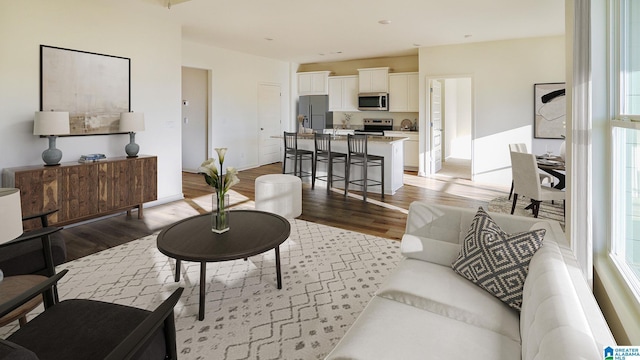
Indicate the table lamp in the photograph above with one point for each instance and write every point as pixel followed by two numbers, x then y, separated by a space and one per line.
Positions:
pixel 132 122
pixel 10 216
pixel 51 124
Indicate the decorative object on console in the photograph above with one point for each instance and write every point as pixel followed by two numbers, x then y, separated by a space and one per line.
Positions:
pixel 10 216
pixel 496 261
pixel 51 124
pixel 132 122
pixel 221 183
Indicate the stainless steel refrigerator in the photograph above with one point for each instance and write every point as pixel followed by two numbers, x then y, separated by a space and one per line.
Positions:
pixel 315 109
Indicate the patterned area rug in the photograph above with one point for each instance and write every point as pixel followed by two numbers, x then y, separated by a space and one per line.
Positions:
pixel 547 210
pixel 329 275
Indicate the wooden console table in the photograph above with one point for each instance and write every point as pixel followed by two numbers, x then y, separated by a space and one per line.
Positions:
pixel 83 191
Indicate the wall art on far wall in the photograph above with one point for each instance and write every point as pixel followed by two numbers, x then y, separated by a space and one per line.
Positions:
pixel 93 88
pixel 550 110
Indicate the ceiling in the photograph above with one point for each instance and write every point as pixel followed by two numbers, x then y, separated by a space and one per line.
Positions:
pixel 304 31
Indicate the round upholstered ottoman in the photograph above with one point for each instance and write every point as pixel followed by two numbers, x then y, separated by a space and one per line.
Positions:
pixel 279 194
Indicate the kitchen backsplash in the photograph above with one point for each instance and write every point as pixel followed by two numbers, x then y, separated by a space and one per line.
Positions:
pixel 357 116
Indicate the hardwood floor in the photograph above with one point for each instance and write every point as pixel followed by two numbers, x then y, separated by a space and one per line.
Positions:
pixel 385 219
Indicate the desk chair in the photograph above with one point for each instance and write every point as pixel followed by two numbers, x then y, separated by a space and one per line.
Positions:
pixel 526 182
pixel 324 154
pixel 292 152
pixel 358 155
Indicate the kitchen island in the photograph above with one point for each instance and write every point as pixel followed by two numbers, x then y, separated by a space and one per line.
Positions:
pixel 391 147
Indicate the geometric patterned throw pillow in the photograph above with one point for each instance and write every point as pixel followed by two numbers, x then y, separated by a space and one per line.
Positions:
pixel 496 261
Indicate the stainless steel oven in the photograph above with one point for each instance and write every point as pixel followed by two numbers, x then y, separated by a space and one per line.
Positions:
pixel 375 126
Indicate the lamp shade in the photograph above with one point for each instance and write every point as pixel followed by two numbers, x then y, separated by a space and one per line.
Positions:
pixel 131 122
pixel 10 214
pixel 51 123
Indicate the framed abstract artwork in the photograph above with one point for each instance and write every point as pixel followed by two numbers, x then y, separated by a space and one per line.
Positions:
pixel 93 88
pixel 550 110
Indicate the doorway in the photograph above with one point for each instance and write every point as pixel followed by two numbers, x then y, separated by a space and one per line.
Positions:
pixel 269 122
pixel 450 101
pixel 195 115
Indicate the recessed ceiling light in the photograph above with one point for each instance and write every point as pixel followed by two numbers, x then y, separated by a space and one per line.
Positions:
pixel 416 44
pixel 384 22
pixel 467 36
pixel 268 39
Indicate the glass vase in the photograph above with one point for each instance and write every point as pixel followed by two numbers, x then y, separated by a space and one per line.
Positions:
pixel 220 213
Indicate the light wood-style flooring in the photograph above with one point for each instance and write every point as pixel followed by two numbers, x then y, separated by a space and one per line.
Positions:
pixel 385 219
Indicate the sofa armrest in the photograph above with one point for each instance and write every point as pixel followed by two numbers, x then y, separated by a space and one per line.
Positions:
pixel 431 250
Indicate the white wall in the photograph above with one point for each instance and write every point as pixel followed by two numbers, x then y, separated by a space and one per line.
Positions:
pixel 503 75
pixel 101 26
pixel 457 118
pixel 234 88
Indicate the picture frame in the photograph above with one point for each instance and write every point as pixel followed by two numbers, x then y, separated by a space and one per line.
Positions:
pixel 550 109
pixel 94 88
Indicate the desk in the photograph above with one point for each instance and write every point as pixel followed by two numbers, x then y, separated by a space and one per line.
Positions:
pixel 251 232
pixel 13 286
pixel 553 165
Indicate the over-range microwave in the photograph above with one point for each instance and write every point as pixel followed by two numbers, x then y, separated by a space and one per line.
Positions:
pixel 373 101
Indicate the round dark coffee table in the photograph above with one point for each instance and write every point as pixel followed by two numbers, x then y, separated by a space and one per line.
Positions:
pixel 251 232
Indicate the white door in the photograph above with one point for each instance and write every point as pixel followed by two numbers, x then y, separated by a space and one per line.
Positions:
pixel 436 126
pixel 269 122
pixel 195 85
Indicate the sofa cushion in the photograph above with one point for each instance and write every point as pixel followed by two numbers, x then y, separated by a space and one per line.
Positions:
pixel 427 249
pixel 496 261
pixel 388 329
pixel 440 290
pixel 553 319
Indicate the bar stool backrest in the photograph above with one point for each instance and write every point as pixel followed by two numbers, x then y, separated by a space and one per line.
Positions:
pixel 323 143
pixel 290 141
pixel 357 145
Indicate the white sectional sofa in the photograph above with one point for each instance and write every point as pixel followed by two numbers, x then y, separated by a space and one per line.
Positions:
pixel 425 310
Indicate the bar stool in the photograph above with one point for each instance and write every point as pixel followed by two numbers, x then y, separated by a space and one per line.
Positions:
pixel 359 156
pixel 325 155
pixel 292 152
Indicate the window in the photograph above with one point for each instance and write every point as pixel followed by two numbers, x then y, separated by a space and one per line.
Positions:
pixel 625 141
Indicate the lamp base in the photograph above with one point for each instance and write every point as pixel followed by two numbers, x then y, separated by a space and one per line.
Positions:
pixel 52 164
pixel 52 156
pixel 132 148
pixel 132 156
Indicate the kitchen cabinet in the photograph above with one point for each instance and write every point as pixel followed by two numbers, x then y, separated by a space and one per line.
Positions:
pixel 411 148
pixel 343 93
pixel 373 80
pixel 313 83
pixel 403 92
pixel 83 191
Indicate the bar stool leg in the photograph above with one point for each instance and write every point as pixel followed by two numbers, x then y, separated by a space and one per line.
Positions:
pixel 365 166
pixel 313 173
pixel 329 174
pixel 382 179
pixel 347 170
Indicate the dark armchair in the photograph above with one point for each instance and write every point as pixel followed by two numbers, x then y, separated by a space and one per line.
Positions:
pixel 35 251
pixel 89 329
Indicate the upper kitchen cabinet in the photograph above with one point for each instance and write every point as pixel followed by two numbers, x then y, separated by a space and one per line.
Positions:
pixel 403 92
pixel 374 80
pixel 313 83
pixel 343 93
